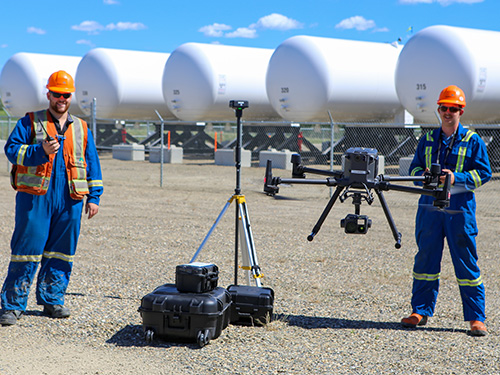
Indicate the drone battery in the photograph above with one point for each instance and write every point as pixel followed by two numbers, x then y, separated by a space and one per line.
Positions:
pixel 251 305
pixel 196 277
pixel 170 314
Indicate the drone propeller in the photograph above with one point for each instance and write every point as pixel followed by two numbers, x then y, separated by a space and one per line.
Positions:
pixel 431 207
pixel 280 197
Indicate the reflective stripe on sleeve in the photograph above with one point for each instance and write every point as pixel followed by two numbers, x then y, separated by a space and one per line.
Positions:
pixel 21 154
pixel 476 178
pixel 95 183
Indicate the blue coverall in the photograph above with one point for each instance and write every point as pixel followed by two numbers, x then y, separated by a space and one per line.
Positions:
pixel 46 226
pixel 468 159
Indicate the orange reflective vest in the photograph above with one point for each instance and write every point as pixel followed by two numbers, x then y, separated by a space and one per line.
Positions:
pixel 36 179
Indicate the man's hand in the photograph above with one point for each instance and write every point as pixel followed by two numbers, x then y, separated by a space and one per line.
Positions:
pixel 452 177
pixel 92 209
pixel 50 147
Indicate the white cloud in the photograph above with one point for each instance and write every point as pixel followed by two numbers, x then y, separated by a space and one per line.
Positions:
pixel 276 21
pixel 110 2
pixel 85 41
pixel 36 30
pixel 357 22
pixel 93 27
pixel 215 30
pixel 272 21
pixel 441 2
pixel 242 32
pixel 121 26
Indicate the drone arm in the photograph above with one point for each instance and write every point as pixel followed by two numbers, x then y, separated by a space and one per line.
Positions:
pixel 407 189
pixel 271 183
pixel 308 181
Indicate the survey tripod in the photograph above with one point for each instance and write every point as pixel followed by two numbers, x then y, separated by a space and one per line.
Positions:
pixel 243 230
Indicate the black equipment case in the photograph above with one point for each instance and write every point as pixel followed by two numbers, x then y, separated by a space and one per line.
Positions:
pixel 251 305
pixel 199 317
pixel 196 277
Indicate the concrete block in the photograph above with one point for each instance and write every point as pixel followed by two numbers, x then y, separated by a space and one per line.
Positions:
pixel 280 159
pixel 225 156
pixel 172 156
pixel 404 165
pixel 133 152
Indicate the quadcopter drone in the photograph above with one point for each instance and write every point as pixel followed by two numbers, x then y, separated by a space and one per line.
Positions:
pixel 358 180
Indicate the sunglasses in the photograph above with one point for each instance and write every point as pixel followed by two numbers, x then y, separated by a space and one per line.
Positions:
pixel 444 108
pixel 57 95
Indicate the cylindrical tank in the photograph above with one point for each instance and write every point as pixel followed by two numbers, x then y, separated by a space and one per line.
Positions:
pixel 200 79
pixel 24 77
pixel 309 76
pixel 126 84
pixel 439 56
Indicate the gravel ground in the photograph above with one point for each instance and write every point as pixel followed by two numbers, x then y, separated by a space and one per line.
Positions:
pixel 339 299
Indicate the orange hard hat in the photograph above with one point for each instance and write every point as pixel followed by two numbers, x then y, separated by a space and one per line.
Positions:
pixel 61 81
pixel 452 95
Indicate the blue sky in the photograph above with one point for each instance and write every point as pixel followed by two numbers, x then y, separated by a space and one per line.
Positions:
pixel 73 27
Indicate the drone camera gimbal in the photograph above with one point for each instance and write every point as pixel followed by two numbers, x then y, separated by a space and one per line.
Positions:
pixel 357 179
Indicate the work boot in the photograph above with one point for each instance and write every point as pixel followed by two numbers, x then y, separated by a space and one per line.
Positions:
pixel 477 328
pixel 414 320
pixel 56 311
pixel 10 317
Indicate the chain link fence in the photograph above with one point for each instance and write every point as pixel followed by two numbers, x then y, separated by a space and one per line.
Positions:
pixel 395 142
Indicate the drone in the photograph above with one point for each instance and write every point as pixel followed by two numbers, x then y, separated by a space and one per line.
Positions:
pixel 358 179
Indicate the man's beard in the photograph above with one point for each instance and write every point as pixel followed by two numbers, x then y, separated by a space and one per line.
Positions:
pixel 58 109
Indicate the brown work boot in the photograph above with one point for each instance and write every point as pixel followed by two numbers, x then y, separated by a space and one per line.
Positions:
pixel 477 328
pixel 414 320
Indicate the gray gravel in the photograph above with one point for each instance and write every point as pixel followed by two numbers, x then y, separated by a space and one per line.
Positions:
pixel 339 299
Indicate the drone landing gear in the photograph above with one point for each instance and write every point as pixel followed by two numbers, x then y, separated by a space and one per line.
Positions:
pixel 357 223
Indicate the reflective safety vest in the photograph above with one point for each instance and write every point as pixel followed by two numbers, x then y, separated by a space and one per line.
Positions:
pixel 36 179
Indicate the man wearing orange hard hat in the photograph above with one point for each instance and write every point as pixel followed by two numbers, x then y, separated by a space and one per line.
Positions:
pixel 462 154
pixel 55 167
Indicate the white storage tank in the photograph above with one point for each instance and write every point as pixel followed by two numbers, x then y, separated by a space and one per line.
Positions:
pixel 200 79
pixel 354 80
pixel 126 84
pixel 439 56
pixel 24 77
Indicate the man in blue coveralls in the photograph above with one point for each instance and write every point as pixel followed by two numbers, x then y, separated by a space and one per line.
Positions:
pixel 462 154
pixel 55 166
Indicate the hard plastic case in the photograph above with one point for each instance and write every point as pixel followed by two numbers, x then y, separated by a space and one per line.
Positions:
pixel 196 277
pixel 172 315
pixel 251 305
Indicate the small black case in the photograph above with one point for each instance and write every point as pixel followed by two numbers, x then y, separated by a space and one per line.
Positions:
pixel 196 277
pixel 251 305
